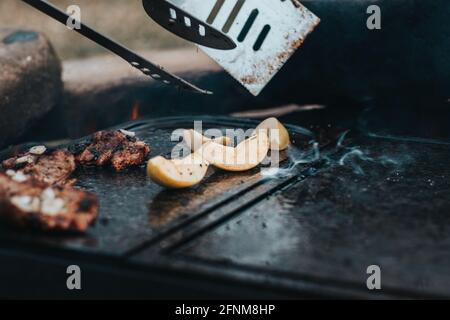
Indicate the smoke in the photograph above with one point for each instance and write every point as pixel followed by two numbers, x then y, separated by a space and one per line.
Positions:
pixel 296 157
pixel 355 156
pixel 343 154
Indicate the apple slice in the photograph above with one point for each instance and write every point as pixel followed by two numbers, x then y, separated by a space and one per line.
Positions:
pixel 177 173
pixel 194 140
pixel 278 134
pixel 245 156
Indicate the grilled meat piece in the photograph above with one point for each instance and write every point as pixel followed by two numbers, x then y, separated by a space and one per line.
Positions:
pixel 35 205
pixel 120 149
pixel 51 167
pixel 132 154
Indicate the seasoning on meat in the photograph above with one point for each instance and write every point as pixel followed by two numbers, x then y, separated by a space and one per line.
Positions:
pixel 51 167
pixel 33 204
pixel 120 149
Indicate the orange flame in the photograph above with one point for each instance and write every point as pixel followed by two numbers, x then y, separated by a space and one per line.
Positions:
pixel 135 112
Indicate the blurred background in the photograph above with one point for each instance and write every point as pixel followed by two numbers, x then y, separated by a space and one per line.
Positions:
pixel 342 65
pixel 124 21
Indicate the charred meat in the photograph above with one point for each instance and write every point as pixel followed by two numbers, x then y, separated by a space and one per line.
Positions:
pixel 51 167
pixel 119 149
pixel 36 205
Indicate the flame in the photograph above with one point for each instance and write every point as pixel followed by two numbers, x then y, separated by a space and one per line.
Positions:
pixel 135 112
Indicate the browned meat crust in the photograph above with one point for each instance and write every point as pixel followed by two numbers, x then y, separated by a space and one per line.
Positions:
pixel 120 149
pixel 33 204
pixel 53 168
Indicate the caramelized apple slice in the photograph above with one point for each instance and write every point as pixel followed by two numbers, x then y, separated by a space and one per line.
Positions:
pixel 245 156
pixel 195 140
pixel 277 132
pixel 177 173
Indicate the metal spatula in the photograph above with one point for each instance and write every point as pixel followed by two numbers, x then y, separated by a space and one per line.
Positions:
pixel 267 33
pixel 186 25
pixel 161 12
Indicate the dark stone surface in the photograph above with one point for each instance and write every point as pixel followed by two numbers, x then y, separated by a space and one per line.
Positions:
pixel 30 82
pixel 388 206
pixel 310 232
pixel 135 210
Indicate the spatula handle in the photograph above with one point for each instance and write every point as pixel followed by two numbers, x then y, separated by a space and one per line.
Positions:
pixel 137 61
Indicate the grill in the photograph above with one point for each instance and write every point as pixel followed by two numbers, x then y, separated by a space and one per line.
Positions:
pixel 312 230
pixel 365 183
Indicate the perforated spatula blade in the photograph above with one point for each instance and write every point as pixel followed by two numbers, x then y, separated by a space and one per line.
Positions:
pixel 267 33
pixel 186 26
